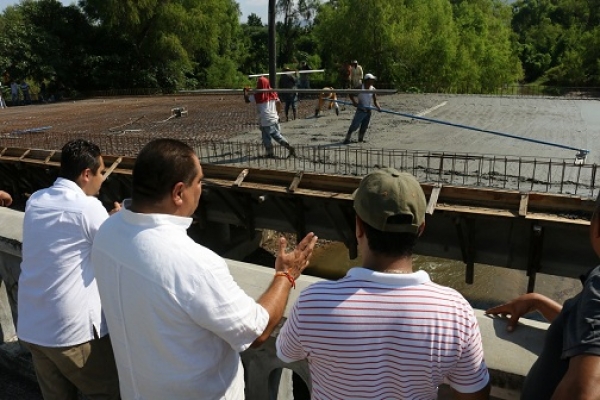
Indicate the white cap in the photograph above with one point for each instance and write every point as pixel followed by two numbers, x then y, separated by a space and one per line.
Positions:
pixel 370 76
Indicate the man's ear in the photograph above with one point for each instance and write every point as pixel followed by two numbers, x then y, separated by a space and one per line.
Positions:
pixel 177 193
pixel 360 227
pixel 84 177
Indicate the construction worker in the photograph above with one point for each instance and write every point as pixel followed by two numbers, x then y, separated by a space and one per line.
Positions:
pixel 329 97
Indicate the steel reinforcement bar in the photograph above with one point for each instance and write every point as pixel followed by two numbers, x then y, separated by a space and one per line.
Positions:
pixel 524 174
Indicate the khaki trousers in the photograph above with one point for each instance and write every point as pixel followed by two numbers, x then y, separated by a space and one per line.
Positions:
pixel 89 367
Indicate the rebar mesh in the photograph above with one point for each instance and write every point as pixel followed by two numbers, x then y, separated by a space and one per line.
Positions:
pixel 514 173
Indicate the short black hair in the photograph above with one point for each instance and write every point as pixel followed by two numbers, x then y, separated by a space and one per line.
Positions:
pixel 160 165
pixel 77 156
pixel 391 244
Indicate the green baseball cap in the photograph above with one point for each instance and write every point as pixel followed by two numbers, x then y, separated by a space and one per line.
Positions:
pixel 388 192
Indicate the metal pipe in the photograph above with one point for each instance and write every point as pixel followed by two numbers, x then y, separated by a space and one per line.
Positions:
pixel 272 45
pixel 309 71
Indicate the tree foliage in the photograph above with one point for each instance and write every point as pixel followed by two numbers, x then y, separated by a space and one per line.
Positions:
pixel 558 40
pixel 463 45
pixel 295 34
pixel 256 39
pixel 45 40
pixel 163 42
pixel 435 44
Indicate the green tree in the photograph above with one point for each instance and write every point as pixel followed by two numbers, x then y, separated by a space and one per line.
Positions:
pixel 558 40
pixel 172 43
pixel 436 45
pixel 295 30
pixel 256 42
pixel 46 41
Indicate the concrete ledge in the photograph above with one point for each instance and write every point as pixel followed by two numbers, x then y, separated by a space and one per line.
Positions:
pixel 511 352
pixel 11 231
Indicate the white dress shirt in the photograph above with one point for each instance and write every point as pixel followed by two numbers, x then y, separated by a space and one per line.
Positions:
pixel 177 318
pixel 58 299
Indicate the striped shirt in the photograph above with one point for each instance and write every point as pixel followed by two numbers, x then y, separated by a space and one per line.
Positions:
pixel 374 335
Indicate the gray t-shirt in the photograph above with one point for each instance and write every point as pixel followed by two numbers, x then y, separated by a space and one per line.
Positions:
pixel 575 331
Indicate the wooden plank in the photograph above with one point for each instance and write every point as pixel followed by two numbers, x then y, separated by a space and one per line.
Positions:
pixel 266 189
pixel 294 185
pixel 125 163
pixel 241 177
pixel 523 205
pixel 112 167
pixel 483 201
pixel 336 183
pixel 433 198
pixel 459 209
pixel 24 154
pixel 49 156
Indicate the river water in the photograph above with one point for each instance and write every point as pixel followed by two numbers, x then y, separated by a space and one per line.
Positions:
pixel 492 285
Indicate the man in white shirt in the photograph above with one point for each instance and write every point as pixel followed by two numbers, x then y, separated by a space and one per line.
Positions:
pixel 60 318
pixel 364 104
pixel 177 318
pixel 356 75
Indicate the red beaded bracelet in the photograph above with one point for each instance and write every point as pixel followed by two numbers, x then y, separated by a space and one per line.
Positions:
pixel 288 276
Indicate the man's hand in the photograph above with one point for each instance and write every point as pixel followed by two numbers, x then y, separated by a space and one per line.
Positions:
pixel 523 305
pixel 116 208
pixel 5 199
pixel 297 260
pixel 292 264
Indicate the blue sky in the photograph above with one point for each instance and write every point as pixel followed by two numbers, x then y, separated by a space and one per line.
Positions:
pixel 259 7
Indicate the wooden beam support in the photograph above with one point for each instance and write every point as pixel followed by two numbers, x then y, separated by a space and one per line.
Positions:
pixel 24 154
pixel 294 185
pixel 524 204
pixel 240 178
pixel 112 167
pixel 49 156
pixel 433 198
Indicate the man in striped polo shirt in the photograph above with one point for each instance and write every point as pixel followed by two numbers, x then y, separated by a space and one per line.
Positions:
pixel 384 331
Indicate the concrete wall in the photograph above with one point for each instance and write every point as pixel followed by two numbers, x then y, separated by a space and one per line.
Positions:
pixel 509 356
